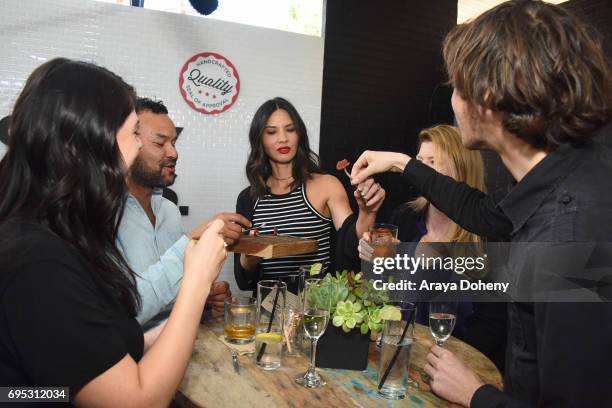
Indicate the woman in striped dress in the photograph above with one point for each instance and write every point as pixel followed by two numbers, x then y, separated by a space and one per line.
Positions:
pixel 290 193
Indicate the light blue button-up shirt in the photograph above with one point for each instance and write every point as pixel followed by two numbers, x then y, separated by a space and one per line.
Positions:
pixel 155 253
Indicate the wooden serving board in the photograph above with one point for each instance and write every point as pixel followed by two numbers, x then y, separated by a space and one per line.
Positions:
pixel 274 246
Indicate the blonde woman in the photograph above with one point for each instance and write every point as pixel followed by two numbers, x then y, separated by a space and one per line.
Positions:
pixel 440 148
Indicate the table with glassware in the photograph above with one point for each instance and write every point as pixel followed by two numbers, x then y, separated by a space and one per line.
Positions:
pixel 212 381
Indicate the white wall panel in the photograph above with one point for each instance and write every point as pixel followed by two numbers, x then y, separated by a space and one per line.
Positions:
pixel 148 48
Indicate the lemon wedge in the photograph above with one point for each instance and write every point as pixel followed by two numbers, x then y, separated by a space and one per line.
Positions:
pixel 269 337
pixel 391 313
pixel 315 269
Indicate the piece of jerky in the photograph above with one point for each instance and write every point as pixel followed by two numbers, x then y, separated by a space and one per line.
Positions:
pixel 342 164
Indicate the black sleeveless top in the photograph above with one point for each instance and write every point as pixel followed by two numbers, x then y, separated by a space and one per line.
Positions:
pixel 292 214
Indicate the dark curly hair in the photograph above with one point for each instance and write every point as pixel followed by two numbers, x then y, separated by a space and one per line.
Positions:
pixel 536 64
pixel 63 167
pixel 147 104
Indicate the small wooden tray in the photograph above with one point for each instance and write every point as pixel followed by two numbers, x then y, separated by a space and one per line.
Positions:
pixel 274 246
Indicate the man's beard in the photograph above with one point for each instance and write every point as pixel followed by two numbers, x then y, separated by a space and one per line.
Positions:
pixel 472 134
pixel 147 177
pixel 476 144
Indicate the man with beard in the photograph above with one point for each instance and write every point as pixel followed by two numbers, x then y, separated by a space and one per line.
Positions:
pixel 150 234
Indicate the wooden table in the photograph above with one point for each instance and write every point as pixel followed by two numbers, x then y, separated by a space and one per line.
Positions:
pixel 210 380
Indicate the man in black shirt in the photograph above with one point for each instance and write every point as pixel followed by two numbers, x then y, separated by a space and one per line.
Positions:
pixel 532 84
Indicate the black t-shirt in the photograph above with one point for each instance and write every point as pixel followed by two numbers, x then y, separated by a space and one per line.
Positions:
pixel 60 324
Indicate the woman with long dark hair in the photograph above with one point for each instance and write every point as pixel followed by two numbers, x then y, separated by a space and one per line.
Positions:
pixel 68 298
pixel 290 193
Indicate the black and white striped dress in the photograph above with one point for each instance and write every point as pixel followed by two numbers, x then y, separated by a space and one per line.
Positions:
pixel 292 214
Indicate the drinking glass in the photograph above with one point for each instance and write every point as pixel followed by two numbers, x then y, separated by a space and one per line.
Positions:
pixel 292 330
pixel 271 296
pixel 315 316
pixel 442 317
pixel 394 355
pixel 295 282
pixel 240 315
pixel 383 240
pixel 292 327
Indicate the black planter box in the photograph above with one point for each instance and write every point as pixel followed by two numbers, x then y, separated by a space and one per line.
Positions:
pixel 337 349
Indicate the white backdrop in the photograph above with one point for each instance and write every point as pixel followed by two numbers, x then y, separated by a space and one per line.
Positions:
pixel 148 48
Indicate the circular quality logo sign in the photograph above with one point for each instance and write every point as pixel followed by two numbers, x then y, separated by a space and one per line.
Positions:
pixel 209 83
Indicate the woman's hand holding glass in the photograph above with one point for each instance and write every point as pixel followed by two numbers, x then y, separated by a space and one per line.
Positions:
pixel 365 248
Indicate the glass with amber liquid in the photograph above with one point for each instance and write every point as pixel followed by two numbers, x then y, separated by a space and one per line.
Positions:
pixel 383 240
pixel 240 319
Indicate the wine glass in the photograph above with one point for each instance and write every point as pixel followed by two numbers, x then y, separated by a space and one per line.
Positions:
pixel 442 318
pixel 315 316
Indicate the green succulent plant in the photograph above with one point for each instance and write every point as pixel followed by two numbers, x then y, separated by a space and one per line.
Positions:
pixel 372 321
pixel 355 303
pixel 348 315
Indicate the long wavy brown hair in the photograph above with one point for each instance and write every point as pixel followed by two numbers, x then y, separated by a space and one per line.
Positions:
pixel 258 169
pixel 538 65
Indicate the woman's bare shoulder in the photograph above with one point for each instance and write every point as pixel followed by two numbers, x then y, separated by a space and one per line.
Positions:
pixel 326 183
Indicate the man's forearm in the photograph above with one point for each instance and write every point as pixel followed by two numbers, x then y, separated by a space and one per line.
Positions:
pixel 469 207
